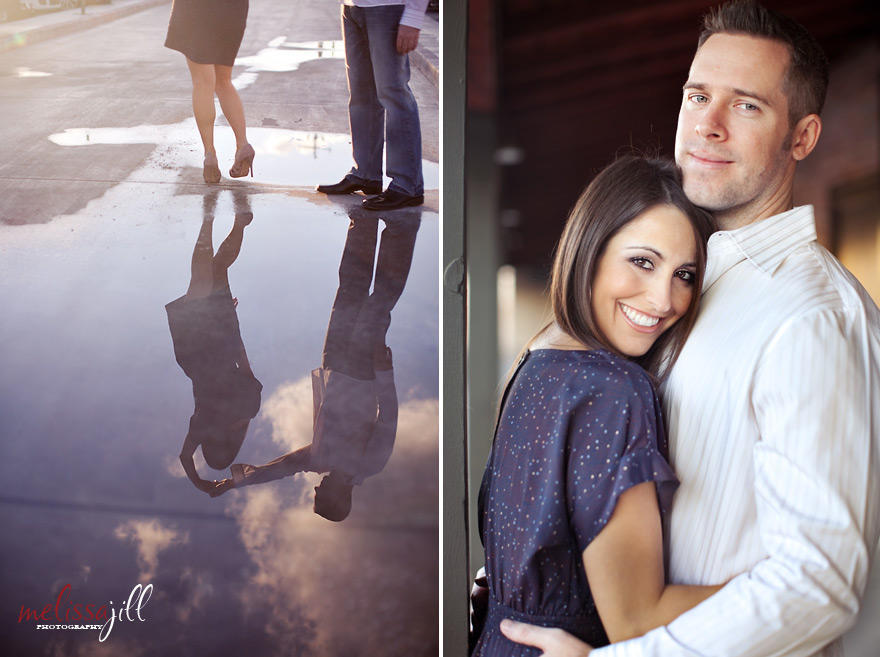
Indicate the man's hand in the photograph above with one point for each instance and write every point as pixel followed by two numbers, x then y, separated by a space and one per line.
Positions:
pixel 552 641
pixel 407 39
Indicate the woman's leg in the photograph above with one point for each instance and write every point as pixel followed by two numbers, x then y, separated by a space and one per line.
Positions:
pixel 230 103
pixel 202 267
pixel 203 101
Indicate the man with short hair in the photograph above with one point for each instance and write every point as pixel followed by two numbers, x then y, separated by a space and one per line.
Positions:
pixel 382 109
pixel 773 407
pixel 354 399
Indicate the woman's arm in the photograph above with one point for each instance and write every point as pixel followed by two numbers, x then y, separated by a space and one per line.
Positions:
pixel 212 488
pixel 624 566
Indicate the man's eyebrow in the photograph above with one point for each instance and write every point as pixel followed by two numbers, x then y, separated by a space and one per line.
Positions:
pixel 702 86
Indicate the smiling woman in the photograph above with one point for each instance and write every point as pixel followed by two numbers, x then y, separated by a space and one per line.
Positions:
pixel 569 506
pixel 636 205
pixel 645 279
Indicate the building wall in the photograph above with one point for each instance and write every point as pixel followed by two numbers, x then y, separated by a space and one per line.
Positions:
pixel 848 151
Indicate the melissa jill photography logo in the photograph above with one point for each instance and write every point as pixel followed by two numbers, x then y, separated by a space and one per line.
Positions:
pixel 65 614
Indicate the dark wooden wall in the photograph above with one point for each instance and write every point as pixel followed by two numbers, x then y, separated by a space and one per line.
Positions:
pixel 578 82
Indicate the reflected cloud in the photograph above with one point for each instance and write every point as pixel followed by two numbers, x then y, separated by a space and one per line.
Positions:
pixel 150 538
pixel 329 589
pixel 199 590
pixel 289 409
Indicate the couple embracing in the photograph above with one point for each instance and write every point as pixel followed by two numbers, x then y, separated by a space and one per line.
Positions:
pixel 769 392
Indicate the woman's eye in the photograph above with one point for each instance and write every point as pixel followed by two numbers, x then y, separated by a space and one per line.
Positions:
pixel 685 275
pixel 642 263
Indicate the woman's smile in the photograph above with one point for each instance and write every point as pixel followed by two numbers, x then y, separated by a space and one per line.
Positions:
pixel 644 280
pixel 639 320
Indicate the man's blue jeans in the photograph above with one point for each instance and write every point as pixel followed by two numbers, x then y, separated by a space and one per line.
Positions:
pixel 380 100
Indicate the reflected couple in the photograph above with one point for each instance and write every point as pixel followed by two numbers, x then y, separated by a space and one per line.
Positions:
pixel 353 393
pixel 354 397
pixel 208 347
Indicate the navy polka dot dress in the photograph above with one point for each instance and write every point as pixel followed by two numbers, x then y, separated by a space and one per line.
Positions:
pixel 577 429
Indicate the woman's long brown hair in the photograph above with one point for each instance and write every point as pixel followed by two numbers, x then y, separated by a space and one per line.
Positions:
pixel 621 192
pixel 617 195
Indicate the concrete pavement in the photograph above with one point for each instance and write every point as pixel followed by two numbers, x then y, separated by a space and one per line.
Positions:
pixel 290 72
pixel 41 27
pixel 47 25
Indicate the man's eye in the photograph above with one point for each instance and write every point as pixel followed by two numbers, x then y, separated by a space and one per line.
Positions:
pixel 698 98
pixel 642 263
pixel 749 107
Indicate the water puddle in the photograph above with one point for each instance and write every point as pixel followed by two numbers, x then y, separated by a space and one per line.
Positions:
pixel 282 56
pixel 25 72
pixel 284 157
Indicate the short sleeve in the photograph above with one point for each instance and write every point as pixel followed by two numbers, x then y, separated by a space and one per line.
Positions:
pixel 615 441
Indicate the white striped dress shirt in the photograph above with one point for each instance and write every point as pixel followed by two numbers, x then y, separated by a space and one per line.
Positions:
pixel 413 10
pixel 773 412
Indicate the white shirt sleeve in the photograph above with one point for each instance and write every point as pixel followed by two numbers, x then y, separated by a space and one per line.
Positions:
pixel 378 449
pixel 414 13
pixel 815 400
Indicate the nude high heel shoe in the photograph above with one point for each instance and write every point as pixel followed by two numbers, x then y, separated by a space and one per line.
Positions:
pixel 210 169
pixel 244 162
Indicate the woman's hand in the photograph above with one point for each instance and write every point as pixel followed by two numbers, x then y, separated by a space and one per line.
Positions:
pixel 220 487
pixel 552 641
pixel 214 487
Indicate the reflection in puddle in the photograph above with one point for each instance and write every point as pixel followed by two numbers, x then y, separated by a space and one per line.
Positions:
pixel 142 134
pixel 24 72
pixel 284 157
pixel 208 347
pixel 149 537
pixel 284 56
pixel 354 399
pixel 256 570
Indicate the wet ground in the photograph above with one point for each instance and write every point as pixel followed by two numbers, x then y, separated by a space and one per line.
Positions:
pixel 102 208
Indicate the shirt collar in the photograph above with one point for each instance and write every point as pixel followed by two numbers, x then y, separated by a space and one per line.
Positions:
pixel 764 243
pixel 767 242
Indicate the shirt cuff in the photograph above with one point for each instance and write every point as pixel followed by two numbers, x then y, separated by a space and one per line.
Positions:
pixel 630 648
pixel 659 642
pixel 412 18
